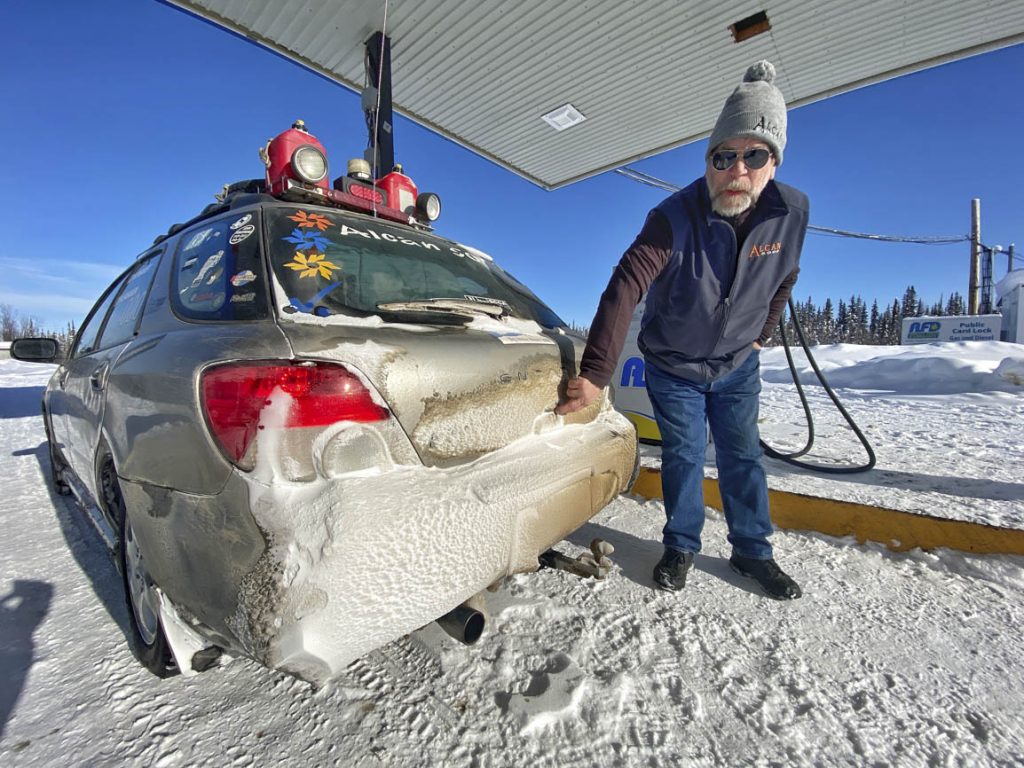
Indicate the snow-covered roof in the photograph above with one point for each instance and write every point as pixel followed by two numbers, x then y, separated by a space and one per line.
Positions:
pixel 647 76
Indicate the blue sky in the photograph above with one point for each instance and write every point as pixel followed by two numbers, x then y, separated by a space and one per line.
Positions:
pixel 122 117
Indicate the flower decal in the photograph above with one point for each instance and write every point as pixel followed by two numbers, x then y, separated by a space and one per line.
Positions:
pixel 308 240
pixel 312 265
pixel 310 220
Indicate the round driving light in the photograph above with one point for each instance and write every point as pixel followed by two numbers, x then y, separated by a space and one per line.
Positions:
pixel 309 164
pixel 428 206
pixel 359 169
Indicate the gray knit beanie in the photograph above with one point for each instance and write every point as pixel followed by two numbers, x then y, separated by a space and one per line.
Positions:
pixel 755 110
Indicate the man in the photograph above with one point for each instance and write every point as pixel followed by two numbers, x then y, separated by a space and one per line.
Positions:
pixel 717 261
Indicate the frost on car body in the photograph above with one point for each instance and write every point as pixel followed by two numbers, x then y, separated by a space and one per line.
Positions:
pixel 358 560
pixel 323 428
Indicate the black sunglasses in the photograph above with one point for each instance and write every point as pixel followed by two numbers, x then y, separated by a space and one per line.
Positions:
pixel 724 159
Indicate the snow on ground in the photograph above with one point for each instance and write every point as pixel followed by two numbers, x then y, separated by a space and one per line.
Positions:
pixel 888 659
pixel 946 422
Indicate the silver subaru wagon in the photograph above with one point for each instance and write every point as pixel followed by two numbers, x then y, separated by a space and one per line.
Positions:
pixel 308 431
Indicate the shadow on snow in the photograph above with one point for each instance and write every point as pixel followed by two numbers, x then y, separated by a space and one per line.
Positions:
pixel 19 402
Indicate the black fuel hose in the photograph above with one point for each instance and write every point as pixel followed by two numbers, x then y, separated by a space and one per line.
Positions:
pixel 791 458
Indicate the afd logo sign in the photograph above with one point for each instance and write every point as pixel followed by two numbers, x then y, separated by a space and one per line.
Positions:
pixel 924 330
pixel 633 373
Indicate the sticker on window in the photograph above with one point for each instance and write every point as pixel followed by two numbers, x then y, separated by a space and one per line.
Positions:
pixel 307 240
pixel 198 239
pixel 209 264
pixel 390 237
pixel 313 306
pixel 243 297
pixel 242 221
pixel 312 265
pixel 243 278
pixel 214 298
pixel 311 220
pixel 242 234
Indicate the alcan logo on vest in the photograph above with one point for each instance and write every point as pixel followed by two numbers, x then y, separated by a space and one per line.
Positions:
pixel 765 249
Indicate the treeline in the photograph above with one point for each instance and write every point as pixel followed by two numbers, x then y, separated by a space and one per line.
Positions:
pixel 16 326
pixel 852 322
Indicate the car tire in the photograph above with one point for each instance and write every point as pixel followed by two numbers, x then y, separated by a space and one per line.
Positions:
pixel 57 462
pixel 148 641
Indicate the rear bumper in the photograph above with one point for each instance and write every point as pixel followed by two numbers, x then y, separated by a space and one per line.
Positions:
pixel 357 560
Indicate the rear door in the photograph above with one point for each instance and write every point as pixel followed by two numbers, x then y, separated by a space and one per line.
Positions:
pixel 79 404
pixel 466 357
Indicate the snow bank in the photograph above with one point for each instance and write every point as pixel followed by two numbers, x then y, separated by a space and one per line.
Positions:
pixel 920 369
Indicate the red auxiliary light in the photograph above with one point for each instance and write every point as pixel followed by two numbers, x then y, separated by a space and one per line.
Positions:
pixel 295 156
pixel 234 396
pixel 400 189
pixel 366 193
pixel 351 201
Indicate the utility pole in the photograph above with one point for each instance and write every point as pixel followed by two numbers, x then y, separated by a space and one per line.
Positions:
pixel 987 265
pixel 1009 259
pixel 974 277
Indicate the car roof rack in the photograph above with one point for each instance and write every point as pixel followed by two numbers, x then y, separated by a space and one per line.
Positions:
pixel 232 196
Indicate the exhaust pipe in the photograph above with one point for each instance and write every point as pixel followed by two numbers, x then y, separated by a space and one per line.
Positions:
pixel 466 622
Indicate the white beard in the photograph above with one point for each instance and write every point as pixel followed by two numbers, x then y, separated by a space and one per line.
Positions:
pixel 731 205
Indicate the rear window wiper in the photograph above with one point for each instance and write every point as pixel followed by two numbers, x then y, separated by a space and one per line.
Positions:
pixel 468 307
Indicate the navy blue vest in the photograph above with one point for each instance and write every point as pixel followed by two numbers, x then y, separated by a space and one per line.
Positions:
pixel 710 302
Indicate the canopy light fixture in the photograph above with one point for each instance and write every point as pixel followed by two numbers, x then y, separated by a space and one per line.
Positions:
pixel 564 117
pixel 751 26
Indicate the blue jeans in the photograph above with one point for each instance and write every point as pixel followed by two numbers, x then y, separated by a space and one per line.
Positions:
pixel 730 406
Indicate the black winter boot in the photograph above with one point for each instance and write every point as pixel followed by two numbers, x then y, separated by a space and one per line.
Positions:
pixel 775 583
pixel 670 572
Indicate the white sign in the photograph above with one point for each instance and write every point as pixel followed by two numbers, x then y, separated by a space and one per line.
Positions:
pixel 924 330
pixel 629 383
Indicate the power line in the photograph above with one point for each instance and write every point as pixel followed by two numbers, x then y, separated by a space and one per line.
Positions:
pixel 653 181
pixel 927 240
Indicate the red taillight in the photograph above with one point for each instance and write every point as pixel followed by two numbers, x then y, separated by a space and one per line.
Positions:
pixel 235 395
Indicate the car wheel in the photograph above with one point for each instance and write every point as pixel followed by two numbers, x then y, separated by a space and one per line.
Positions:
pixel 57 463
pixel 148 641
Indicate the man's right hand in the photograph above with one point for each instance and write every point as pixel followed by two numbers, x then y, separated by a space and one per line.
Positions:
pixel 579 393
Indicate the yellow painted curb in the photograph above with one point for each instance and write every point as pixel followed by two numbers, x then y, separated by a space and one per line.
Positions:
pixel 899 531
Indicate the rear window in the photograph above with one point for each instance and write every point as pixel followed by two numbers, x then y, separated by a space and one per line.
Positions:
pixel 217 271
pixel 328 262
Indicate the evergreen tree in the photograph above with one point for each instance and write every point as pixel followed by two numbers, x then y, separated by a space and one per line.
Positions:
pixel 956 304
pixel 826 325
pixel 841 318
pixel 895 328
pixel 909 307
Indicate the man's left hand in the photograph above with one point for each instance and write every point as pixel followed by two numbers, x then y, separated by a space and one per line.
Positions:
pixel 579 393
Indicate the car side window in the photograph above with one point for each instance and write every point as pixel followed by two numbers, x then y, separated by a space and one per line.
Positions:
pixel 88 335
pixel 124 317
pixel 218 273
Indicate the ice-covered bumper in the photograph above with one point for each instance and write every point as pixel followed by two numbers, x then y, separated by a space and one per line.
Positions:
pixel 356 561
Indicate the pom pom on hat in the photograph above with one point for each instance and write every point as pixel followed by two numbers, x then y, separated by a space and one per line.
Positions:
pixel 762 70
pixel 755 110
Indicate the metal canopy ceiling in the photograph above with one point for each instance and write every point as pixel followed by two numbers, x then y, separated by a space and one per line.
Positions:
pixel 649 75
